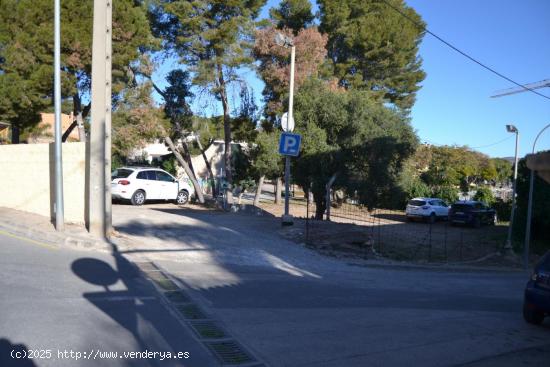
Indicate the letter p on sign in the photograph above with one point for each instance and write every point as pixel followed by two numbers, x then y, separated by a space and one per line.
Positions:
pixel 290 144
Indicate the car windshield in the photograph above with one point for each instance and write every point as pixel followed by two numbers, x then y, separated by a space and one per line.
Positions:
pixel 417 202
pixel 121 173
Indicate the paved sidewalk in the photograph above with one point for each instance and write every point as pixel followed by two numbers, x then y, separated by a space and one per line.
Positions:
pixel 40 228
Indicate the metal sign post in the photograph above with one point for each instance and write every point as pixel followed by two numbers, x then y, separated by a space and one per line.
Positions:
pixel 59 204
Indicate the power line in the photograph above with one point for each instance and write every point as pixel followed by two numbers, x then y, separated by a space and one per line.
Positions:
pixel 461 52
pixel 481 146
pixel 493 144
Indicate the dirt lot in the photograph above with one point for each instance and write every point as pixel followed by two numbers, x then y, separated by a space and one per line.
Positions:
pixel 355 231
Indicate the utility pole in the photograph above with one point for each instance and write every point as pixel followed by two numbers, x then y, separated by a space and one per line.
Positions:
pixel 58 156
pixel 100 130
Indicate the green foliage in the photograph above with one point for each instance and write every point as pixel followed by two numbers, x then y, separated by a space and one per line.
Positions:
pixel 176 95
pixel 372 47
pixel 136 121
pixel 26 52
pixel 541 210
pixel 503 209
pixel 449 194
pixel 265 157
pixel 214 39
pixel 504 170
pixel 349 134
pixel 292 14
pixel 170 165
pixel 457 166
pixel 485 195
pixel 243 125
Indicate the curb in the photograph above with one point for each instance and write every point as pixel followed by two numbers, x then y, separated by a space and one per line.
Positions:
pixel 64 239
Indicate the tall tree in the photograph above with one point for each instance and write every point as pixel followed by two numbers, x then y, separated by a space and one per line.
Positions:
pixel 26 54
pixel 348 135
pixel 292 14
pixel 274 65
pixel 373 47
pixel 214 38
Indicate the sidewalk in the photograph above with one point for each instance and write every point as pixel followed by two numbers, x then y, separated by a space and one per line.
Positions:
pixel 39 228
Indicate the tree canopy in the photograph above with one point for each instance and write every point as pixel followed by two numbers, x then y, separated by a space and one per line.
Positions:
pixel 213 38
pixel 349 135
pixel 26 53
pixel 373 47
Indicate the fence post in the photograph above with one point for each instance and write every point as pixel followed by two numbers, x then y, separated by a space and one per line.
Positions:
pixel 307 218
pixel 461 242
pixel 445 241
pixel 379 236
pixel 430 243
pixel 327 200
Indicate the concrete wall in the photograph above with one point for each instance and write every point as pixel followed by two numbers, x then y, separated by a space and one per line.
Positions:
pixel 27 179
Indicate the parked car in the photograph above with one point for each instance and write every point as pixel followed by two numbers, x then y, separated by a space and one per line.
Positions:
pixel 139 184
pixel 536 304
pixel 474 213
pixel 429 209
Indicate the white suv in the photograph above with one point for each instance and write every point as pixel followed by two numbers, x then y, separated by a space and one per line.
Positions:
pixel 427 208
pixel 139 184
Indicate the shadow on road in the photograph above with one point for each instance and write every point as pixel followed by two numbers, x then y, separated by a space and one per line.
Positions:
pixel 11 355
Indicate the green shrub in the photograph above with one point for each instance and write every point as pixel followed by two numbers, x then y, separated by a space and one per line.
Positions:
pixel 449 194
pixel 503 209
pixel 485 195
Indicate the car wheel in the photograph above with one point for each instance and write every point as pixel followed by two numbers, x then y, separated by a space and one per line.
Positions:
pixel 183 197
pixel 532 316
pixel 138 198
pixel 432 218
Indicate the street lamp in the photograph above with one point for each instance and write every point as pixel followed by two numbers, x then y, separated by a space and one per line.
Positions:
pixel 508 245
pixel 284 41
pixel 530 205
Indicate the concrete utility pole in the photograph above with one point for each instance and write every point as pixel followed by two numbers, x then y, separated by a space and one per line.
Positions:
pixel 100 222
pixel 58 156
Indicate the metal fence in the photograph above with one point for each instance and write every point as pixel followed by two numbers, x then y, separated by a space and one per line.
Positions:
pixel 353 229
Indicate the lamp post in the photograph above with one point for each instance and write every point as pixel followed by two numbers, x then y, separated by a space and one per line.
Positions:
pixel 530 206
pixel 59 204
pixel 508 245
pixel 286 42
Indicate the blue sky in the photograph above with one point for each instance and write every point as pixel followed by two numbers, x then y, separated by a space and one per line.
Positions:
pixel 454 104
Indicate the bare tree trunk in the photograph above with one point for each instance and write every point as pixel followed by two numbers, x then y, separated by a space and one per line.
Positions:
pixel 198 189
pixel 278 191
pixel 259 191
pixel 227 135
pixel 187 154
pixel 208 167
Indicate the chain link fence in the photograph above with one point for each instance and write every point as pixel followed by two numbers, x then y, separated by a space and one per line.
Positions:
pixel 352 228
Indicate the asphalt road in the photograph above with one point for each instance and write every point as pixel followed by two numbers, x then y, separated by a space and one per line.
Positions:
pixel 70 308
pixel 292 307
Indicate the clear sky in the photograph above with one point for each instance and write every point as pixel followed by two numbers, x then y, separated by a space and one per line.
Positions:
pixel 454 104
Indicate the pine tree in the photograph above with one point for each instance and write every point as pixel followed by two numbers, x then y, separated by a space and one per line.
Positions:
pixel 214 38
pixel 373 47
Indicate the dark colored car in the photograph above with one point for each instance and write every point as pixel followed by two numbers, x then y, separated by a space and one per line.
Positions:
pixel 536 304
pixel 474 213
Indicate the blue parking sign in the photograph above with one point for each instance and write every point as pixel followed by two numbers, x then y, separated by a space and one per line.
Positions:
pixel 290 144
